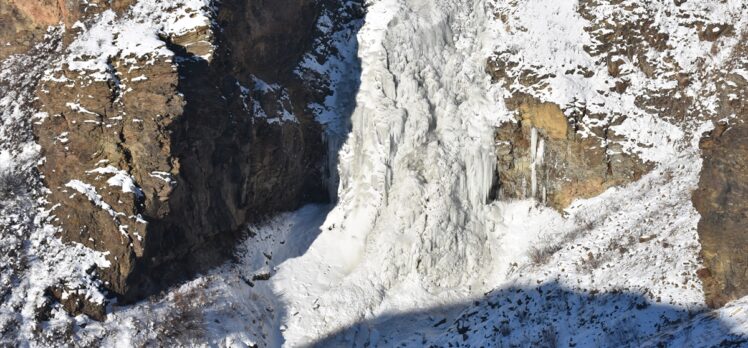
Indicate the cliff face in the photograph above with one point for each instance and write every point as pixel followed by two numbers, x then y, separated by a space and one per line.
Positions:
pixel 636 78
pixel 720 199
pixel 162 150
pixel 723 186
pixel 17 30
pixel 543 156
pixel 551 173
pixel 25 21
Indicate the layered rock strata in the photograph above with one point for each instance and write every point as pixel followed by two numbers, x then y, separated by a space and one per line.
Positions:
pixel 543 156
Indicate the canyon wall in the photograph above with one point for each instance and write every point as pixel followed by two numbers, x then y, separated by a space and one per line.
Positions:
pixel 24 22
pixel 160 158
pixel 160 150
pixel 572 129
pixel 723 186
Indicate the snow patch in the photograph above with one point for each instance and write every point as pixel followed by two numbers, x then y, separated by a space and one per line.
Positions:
pixel 119 178
pixel 89 191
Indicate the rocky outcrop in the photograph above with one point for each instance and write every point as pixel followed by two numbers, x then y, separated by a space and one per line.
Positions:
pixel 723 228
pixel 17 31
pixel 269 35
pixel 633 66
pixel 24 22
pixel 573 149
pixel 52 12
pixel 543 156
pixel 162 157
pixel 552 153
pixel 723 187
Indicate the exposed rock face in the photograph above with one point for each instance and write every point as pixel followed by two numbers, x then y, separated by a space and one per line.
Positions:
pixel 723 228
pixel 161 160
pixel 270 35
pixel 52 12
pixel 636 64
pixel 557 153
pixel 24 22
pixel 17 32
pixel 75 303
pixel 543 156
pixel 48 12
pixel 723 188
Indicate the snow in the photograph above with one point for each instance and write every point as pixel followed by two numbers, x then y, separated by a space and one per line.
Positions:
pixel 334 60
pixel 34 258
pixel 80 109
pixel 415 173
pixel 119 178
pixel 649 137
pixel 135 37
pixel 549 38
pixel 89 191
pixel 280 109
pixel 413 253
pixel 742 72
pixel 166 177
pixel 412 230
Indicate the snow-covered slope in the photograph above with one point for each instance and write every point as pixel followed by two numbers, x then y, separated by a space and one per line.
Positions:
pixel 33 257
pixel 413 232
pixel 414 253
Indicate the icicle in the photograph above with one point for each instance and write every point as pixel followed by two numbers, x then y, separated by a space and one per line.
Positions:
pixel 533 180
pixel 540 152
pixel 533 156
pixel 533 143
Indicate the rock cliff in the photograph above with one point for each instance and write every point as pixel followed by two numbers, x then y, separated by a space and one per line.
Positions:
pixel 536 160
pixel 723 186
pixel 544 156
pixel 159 152
pixel 25 21
pixel 720 199
pixel 634 65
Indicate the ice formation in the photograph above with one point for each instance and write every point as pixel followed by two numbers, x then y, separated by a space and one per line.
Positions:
pixel 414 251
pixel 412 227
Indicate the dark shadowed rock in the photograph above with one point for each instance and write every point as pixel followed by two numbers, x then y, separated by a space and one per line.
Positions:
pixel 162 164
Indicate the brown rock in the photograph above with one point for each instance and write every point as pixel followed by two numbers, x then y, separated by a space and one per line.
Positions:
pixel 567 166
pixel 723 228
pixel 76 302
pixel 44 12
pixel 24 22
pixel 16 30
pixel 545 116
pixel 723 187
pixel 197 142
pixel 713 31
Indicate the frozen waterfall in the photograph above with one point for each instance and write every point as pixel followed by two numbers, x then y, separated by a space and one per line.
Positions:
pixel 412 227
